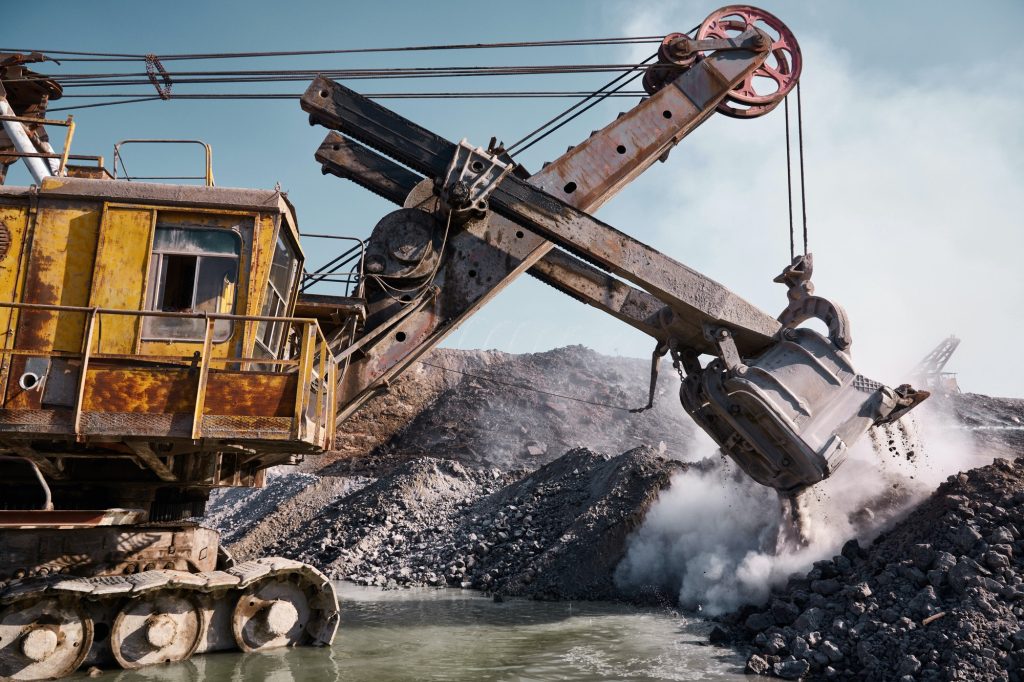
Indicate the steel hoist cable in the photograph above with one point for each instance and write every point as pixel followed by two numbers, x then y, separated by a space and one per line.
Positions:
pixel 118 56
pixel 789 175
pixel 600 98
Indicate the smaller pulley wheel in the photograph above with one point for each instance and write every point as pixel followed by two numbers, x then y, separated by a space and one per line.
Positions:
pixel 764 88
pixel 158 628
pixel 273 613
pixel 43 638
pixel 670 64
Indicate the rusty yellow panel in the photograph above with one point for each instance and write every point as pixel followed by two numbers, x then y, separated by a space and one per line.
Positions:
pixel 60 263
pixel 13 225
pixel 253 394
pixel 14 222
pixel 173 391
pixel 119 280
pixel 264 241
pixel 155 390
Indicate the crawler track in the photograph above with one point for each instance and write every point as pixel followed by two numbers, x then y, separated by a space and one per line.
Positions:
pixel 50 626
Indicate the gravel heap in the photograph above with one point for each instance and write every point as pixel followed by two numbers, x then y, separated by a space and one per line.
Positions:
pixel 556 533
pixel 474 413
pixel 479 415
pixel 995 423
pixel 940 596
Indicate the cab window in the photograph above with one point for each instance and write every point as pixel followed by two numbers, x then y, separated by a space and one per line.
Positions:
pixel 193 270
pixel 283 271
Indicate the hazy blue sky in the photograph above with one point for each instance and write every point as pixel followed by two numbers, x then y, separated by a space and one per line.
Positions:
pixel 914 151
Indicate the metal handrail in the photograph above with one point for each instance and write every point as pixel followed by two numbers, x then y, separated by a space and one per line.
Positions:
pixel 68 123
pixel 329 272
pixel 152 313
pixel 208 176
pixel 315 355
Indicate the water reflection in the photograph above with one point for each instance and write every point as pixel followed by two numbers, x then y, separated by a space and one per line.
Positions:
pixel 460 635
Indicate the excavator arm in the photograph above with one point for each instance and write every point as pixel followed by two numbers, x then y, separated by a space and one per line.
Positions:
pixel 784 402
pixel 485 253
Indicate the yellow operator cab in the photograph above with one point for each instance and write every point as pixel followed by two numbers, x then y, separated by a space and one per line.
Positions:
pixel 156 319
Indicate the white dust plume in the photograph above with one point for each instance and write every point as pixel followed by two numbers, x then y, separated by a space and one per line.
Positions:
pixel 710 539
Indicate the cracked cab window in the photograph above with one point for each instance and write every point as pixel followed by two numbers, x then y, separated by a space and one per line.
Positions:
pixel 193 270
pixel 283 269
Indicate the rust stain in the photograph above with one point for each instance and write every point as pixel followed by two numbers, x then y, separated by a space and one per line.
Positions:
pixel 119 280
pixel 173 391
pixel 156 390
pixel 252 394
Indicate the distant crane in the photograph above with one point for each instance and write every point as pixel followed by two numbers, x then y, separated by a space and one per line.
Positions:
pixel 928 372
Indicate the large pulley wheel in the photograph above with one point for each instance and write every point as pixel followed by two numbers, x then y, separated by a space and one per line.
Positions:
pixel 43 639
pixel 159 628
pixel 766 86
pixel 274 613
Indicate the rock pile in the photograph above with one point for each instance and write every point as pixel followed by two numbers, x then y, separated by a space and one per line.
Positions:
pixel 556 533
pixel 938 597
pixel 492 409
pixel 995 423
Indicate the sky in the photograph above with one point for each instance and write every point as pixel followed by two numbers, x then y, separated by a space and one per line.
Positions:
pixel 914 152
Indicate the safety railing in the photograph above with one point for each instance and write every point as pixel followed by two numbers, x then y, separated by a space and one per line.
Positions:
pixel 312 361
pixel 207 176
pixel 65 154
pixel 344 270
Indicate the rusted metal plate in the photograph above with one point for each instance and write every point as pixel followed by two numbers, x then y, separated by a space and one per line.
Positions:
pixel 169 195
pixel 169 390
pixel 157 390
pixel 688 293
pixel 350 160
pixel 252 394
pixel 119 280
pixel 69 518
pixel 59 273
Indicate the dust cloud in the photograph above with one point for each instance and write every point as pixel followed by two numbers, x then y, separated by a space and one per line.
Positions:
pixel 712 538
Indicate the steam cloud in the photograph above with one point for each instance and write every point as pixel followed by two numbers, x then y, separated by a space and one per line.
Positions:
pixel 710 538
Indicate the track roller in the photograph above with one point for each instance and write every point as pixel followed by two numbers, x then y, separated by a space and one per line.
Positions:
pixel 293 605
pixel 43 638
pixel 160 628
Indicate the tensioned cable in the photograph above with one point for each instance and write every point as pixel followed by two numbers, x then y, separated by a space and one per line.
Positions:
pixel 586 109
pixel 525 388
pixel 803 178
pixel 576 106
pixel 571 42
pixel 789 185
pixel 613 92
pixel 379 95
pixel 271 75
pixel 130 99
pixel 103 104
pixel 789 174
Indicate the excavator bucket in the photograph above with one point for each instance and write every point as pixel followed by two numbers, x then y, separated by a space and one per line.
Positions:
pixel 789 416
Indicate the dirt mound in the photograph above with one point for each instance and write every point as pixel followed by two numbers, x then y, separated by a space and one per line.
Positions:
pixel 556 533
pixel 486 408
pixel 483 409
pixel 993 422
pixel 938 597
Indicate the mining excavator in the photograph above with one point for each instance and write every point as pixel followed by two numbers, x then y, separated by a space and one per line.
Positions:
pixel 162 340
